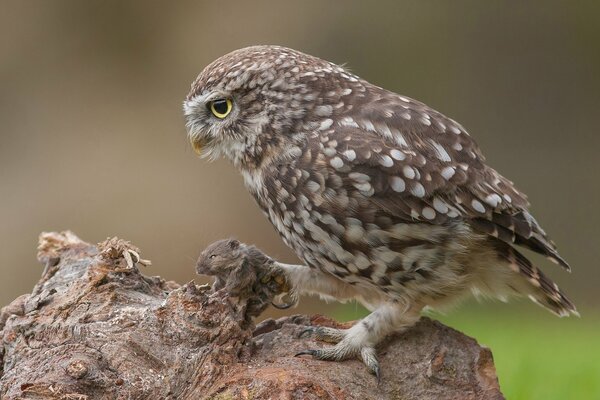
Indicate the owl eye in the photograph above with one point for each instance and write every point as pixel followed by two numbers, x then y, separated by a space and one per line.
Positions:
pixel 220 108
pixel 212 256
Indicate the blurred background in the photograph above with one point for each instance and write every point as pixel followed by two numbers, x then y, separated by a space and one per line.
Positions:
pixel 92 137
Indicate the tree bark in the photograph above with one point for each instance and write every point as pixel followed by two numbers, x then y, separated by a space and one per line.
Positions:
pixel 94 327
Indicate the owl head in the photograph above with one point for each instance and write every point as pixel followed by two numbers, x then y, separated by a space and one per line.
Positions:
pixel 252 104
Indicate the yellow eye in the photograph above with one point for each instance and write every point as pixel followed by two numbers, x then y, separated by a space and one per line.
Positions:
pixel 220 108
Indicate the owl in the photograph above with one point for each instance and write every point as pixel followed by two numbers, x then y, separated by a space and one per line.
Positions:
pixel 385 200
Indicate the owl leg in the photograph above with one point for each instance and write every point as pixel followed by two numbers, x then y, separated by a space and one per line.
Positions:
pixel 360 340
pixel 307 280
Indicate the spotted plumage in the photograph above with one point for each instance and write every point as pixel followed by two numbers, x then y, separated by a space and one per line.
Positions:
pixel 385 199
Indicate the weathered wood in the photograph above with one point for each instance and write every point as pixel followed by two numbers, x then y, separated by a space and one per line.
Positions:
pixel 94 327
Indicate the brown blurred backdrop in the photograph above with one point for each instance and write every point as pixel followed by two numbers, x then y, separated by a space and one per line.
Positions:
pixel 92 137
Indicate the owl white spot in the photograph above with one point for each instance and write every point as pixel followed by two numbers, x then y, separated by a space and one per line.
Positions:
pixel 534 281
pixel 361 261
pixel 441 125
pixel 324 111
pixel 364 187
pixel 425 121
pixel 327 219
pixel 359 177
pixel 399 138
pixel 304 215
pixel 386 161
pixel 298 228
pixel 507 198
pixel 312 186
pixel 336 162
pixel 448 173
pixel 454 129
pixel 404 99
pixel 418 190
pixel 368 125
pixel 408 172
pixel 304 200
pixel 384 130
pixel 329 152
pixel 493 199
pixel 441 153
pixel 326 124
pixel 452 213
pixel 397 184
pixel 350 155
pixel 439 205
pixel 414 214
pixel 317 232
pixel 406 115
pixel 477 206
pixel 295 151
pixel 457 146
pixel 397 155
pixel 428 212
pixel 354 230
pixel 348 121
pixel 346 92
pixel 279 84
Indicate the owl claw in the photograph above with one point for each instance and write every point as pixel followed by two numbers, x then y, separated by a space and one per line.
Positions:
pixel 306 332
pixel 283 306
pixel 369 358
pixel 306 352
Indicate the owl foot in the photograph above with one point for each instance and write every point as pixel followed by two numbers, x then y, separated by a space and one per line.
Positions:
pixel 347 346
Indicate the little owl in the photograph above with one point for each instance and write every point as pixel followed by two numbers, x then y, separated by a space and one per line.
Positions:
pixel 386 200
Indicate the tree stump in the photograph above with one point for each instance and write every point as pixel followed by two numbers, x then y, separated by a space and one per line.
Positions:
pixel 94 327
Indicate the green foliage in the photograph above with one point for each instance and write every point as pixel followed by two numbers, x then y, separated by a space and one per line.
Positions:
pixel 537 355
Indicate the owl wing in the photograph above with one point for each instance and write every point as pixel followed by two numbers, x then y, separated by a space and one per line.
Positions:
pixel 419 165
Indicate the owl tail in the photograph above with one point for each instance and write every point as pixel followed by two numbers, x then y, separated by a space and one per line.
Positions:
pixel 540 289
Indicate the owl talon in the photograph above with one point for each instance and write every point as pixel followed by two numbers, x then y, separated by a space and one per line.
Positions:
pixel 369 358
pixel 306 333
pixel 283 306
pixel 306 352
